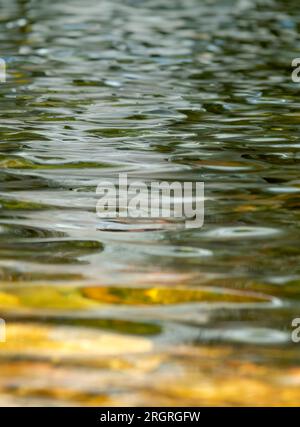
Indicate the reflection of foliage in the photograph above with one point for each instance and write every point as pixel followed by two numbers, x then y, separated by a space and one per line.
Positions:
pixel 150 296
pixel 122 326
pixel 68 298
pixel 62 365
pixel 58 252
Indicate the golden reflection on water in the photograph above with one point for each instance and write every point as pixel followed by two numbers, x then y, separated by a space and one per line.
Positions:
pixel 66 366
pixel 61 349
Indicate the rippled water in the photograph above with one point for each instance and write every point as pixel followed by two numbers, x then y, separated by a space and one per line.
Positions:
pixel 179 90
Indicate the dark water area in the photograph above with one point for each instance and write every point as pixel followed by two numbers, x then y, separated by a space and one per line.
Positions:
pixel 172 90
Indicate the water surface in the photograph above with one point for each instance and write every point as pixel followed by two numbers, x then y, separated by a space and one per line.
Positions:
pixel 180 90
